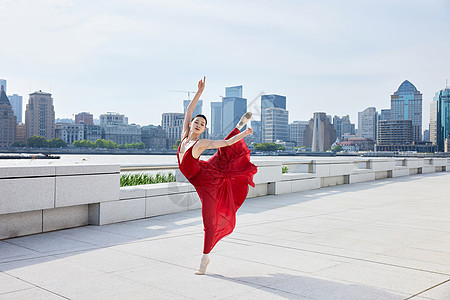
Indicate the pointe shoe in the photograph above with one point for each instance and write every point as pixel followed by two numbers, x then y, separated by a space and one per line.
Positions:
pixel 244 120
pixel 203 266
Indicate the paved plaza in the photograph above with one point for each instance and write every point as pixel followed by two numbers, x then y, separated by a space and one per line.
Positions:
pixel 385 239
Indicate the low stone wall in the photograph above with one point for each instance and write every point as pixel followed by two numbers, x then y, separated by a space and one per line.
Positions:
pixel 36 199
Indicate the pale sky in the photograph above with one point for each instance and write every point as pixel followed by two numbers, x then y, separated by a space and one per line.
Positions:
pixel 338 57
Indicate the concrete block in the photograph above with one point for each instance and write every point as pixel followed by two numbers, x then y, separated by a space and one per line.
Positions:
pixel 414 162
pixel 77 190
pixel 282 187
pixel 160 189
pixel 362 177
pixel 382 175
pixel 167 204
pixel 322 170
pixel 296 176
pixel 428 169
pixel 19 224
pixel 414 171
pixel 26 194
pixel 341 169
pixel 383 165
pixel 195 202
pixel 132 192
pixel 331 181
pixel 268 174
pixel 439 161
pixel 64 217
pixel 259 190
pixel 301 168
pixel 122 210
pixel 399 172
pixel 26 171
pixel 305 184
pixel 85 169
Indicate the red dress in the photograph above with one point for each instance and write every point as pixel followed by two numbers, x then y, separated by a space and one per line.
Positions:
pixel 222 184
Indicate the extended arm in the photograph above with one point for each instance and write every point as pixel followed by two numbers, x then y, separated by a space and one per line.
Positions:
pixel 205 144
pixel 191 107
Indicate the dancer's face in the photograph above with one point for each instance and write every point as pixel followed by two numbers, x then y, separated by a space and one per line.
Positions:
pixel 198 125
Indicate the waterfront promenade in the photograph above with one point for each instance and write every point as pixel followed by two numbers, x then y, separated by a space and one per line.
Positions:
pixel 383 239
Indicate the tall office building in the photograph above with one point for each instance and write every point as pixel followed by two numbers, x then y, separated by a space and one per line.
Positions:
pixel 296 132
pixel 443 117
pixel 84 118
pixel 276 125
pixel 394 133
pixel 342 125
pixel 16 103
pixel 233 108
pixel 3 85
pixel 268 101
pixel 367 123
pixel 406 104
pixel 433 120
pixel 8 121
pixel 198 108
pixel 40 115
pixel 325 134
pixel 172 124
pixel 234 91
pixel 112 118
pixel 385 114
pixel 216 120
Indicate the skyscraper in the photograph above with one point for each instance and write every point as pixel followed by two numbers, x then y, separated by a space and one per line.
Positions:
pixel 40 116
pixel 233 107
pixel 296 132
pixel 367 123
pixel 16 103
pixel 342 125
pixel 406 104
pixel 433 120
pixel 276 125
pixel 216 120
pixel 8 121
pixel 234 91
pixel 443 117
pixel 325 132
pixel 198 108
pixel 268 101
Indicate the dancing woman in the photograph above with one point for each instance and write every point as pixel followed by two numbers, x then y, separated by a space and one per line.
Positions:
pixel 222 181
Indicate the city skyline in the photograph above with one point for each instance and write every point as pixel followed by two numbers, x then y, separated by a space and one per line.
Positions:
pixel 127 57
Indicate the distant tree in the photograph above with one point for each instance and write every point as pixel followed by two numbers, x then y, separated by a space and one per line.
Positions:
pixel 100 143
pixel 19 144
pixel 56 143
pixel 37 142
pixel 268 147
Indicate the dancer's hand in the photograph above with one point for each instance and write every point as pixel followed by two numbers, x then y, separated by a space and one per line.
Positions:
pixel 201 84
pixel 249 131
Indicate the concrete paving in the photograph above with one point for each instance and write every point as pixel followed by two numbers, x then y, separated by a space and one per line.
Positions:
pixel 386 239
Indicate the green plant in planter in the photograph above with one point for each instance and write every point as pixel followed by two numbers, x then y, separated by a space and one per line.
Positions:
pixel 284 169
pixel 143 178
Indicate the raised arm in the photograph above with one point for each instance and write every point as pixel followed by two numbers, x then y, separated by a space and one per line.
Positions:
pixel 191 107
